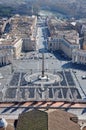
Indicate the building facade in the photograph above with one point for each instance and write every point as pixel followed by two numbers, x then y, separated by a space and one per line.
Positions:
pixel 17 48
pixel 28 44
pixel 79 56
pixel 62 44
pixel 25 28
pixel 5 57
pixel 9 49
pixel 67 40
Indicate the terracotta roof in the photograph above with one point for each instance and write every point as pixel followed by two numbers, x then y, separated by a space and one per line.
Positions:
pixel 49 120
pixel 61 120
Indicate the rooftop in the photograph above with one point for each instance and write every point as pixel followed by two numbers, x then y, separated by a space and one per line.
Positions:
pixel 49 120
pixel 22 26
pixel 63 29
pixel 10 41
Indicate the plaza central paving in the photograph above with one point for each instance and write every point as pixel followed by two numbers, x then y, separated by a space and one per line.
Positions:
pixel 41 90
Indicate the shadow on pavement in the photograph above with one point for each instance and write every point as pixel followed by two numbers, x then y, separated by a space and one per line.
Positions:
pixel 71 65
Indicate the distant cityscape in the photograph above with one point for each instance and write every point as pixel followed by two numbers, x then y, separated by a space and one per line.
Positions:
pixel 42 69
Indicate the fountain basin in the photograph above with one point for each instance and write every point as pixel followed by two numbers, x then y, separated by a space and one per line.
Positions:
pixel 46 79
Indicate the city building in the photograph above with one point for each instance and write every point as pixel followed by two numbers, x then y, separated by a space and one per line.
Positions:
pixel 62 44
pixel 25 28
pixel 79 56
pixel 3 23
pixel 5 57
pixel 62 37
pixel 28 44
pixel 17 47
pixel 21 37
pixel 9 49
pixel 84 41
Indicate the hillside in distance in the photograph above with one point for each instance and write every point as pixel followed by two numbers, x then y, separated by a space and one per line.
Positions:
pixel 71 8
pixel 10 7
pixel 11 2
